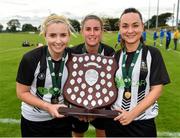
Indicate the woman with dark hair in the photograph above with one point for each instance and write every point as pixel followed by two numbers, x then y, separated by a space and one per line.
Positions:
pixel 140 79
pixel 92 31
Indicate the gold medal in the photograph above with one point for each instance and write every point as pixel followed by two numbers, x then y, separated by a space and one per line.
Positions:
pixel 127 95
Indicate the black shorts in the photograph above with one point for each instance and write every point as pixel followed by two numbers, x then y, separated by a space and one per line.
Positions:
pixel 52 128
pixel 140 128
pixel 81 126
pixel 98 123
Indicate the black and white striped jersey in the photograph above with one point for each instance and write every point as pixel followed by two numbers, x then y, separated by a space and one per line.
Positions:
pixel 28 72
pixel 156 74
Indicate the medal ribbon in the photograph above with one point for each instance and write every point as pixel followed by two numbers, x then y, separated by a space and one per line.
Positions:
pixel 127 74
pixel 56 81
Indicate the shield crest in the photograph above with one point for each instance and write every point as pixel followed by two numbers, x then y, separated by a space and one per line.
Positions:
pixel 90 82
pixel 91 77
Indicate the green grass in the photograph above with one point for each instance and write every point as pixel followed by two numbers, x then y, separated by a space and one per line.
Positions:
pixel 9 130
pixel 11 52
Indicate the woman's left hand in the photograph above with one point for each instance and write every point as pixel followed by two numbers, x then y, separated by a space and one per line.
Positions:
pixel 125 117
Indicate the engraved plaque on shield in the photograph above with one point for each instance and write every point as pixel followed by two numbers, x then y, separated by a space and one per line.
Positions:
pixel 90 84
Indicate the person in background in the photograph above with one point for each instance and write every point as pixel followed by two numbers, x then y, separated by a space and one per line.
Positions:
pixel 92 31
pixel 41 75
pixel 168 38
pixel 155 37
pixel 175 38
pixel 144 35
pixel 118 40
pixel 161 35
pixel 139 78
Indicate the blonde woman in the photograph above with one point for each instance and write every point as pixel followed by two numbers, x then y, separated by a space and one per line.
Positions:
pixel 41 75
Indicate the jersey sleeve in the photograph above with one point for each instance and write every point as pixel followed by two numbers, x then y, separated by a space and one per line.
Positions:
pixel 158 73
pixel 78 49
pixel 25 74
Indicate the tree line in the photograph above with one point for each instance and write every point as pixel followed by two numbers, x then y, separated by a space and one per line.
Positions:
pixel 110 24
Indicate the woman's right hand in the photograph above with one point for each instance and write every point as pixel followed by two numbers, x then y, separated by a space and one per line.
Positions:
pixel 23 93
pixel 53 110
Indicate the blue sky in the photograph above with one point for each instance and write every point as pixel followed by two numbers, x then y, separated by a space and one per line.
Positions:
pixel 31 11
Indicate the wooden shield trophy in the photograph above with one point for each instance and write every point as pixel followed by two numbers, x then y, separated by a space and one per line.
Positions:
pixel 90 86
